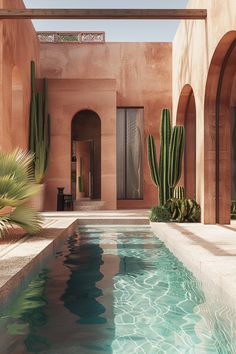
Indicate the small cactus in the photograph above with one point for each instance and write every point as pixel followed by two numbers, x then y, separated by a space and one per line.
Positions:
pixel 184 210
pixel 179 192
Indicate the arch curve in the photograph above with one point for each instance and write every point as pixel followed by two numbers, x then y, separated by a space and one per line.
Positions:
pixel 186 115
pixel 217 131
pixel 185 96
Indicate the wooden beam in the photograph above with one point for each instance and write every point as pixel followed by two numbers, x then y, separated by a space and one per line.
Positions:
pixel 108 14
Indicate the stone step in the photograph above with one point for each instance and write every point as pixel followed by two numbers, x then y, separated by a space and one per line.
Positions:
pixel 113 221
pixel 87 205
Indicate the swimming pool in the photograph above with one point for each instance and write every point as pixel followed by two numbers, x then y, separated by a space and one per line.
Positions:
pixel 116 290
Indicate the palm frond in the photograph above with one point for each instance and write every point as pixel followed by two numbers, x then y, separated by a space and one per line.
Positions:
pixel 15 192
pixel 17 163
pixel 27 218
pixel 5 226
pixel 16 188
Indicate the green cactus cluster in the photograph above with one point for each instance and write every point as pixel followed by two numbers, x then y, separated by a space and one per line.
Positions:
pixel 167 174
pixel 179 192
pixel 39 134
pixel 184 210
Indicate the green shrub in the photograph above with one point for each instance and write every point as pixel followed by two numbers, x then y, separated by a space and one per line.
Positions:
pixel 233 209
pixel 160 213
pixel 184 210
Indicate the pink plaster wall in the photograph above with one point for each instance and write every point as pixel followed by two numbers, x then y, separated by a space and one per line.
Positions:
pixel 141 75
pixel 67 97
pixel 18 46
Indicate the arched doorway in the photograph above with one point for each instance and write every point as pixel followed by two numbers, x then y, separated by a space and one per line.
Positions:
pixel 86 155
pixel 219 130
pixel 186 115
pixel 17 129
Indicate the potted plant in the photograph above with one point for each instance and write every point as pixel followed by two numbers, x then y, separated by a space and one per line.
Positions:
pixel 39 135
pixel 16 188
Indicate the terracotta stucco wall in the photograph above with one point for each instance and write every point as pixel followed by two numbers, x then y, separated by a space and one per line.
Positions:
pixel 63 106
pixel 143 78
pixel 193 48
pixel 18 46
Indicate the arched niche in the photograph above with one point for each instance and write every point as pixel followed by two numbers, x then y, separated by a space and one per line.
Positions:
pixel 186 115
pixel 17 124
pixel 86 154
pixel 218 131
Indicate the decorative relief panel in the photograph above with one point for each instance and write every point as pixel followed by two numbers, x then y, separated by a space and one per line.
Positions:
pixel 71 37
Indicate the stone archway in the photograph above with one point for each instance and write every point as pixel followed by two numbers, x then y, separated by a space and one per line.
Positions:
pixel 86 154
pixel 217 131
pixel 17 124
pixel 186 115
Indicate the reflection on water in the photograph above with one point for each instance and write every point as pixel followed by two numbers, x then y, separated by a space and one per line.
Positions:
pixel 84 261
pixel 24 319
pixel 117 291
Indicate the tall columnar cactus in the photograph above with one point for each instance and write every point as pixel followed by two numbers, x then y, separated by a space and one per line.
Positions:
pixel 168 174
pixel 152 160
pixel 39 136
pixel 165 137
pixel 176 156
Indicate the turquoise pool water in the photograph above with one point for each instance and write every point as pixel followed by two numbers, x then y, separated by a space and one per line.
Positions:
pixel 116 290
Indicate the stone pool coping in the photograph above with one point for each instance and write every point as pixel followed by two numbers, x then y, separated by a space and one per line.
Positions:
pixel 208 251
pixel 19 259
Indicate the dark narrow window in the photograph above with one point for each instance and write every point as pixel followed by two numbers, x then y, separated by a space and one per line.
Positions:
pixel 130 153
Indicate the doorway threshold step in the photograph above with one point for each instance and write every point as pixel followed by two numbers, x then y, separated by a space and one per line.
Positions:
pixel 87 204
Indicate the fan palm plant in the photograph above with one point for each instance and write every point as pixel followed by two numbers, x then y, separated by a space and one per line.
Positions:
pixel 16 188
